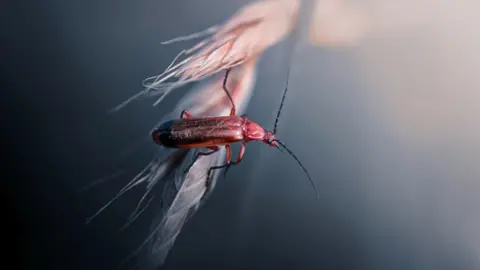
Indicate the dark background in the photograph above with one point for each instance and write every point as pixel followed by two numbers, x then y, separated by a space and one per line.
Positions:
pixel 387 201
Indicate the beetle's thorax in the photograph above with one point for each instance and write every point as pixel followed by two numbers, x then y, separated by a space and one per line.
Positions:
pixel 253 131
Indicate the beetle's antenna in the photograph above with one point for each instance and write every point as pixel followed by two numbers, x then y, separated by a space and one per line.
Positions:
pixel 295 35
pixel 299 163
pixel 281 105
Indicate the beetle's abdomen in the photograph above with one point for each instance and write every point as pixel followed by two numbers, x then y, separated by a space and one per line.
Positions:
pixel 199 132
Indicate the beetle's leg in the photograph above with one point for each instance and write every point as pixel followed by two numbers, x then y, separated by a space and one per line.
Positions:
pixel 232 112
pixel 229 153
pixel 209 178
pixel 239 157
pixel 214 150
pixel 185 114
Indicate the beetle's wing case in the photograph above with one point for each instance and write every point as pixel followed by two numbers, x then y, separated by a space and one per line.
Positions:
pixel 207 131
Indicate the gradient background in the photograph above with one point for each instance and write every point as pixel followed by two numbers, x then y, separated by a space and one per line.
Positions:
pixel 388 129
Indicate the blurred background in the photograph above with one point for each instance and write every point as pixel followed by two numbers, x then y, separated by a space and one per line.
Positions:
pixel 382 109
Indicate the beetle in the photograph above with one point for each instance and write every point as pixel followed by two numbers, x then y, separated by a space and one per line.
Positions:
pixel 212 132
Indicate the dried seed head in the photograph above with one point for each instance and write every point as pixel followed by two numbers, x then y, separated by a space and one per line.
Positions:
pixel 246 35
